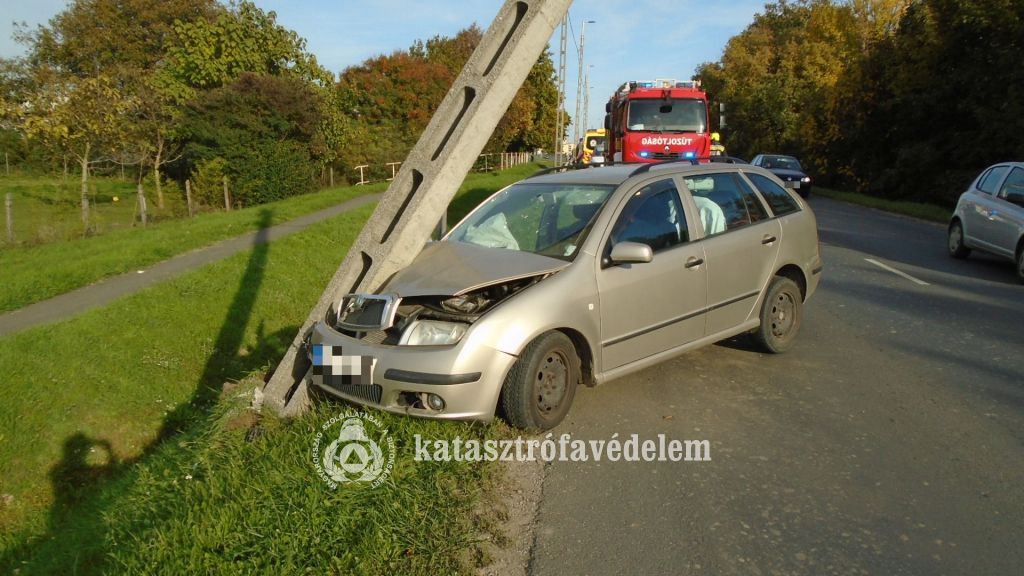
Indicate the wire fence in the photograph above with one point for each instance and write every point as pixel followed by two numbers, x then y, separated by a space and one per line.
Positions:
pixel 371 173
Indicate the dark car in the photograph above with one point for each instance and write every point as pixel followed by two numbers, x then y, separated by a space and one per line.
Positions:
pixel 788 169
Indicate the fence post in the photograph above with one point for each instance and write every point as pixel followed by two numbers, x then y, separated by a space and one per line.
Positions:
pixel 227 201
pixel 332 176
pixel 188 196
pixel 142 205
pixel 10 218
pixel 362 179
pixel 7 164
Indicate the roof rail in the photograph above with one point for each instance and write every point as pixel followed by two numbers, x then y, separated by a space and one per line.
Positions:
pixel 694 161
pixel 566 167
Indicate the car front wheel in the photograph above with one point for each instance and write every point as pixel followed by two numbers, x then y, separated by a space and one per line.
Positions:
pixel 957 249
pixel 781 316
pixel 1020 263
pixel 539 389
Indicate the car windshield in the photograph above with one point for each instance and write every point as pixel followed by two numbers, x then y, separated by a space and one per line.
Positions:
pixel 547 219
pixel 667 116
pixel 595 142
pixel 782 163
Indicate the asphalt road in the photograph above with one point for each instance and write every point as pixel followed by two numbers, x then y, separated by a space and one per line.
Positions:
pixel 890 440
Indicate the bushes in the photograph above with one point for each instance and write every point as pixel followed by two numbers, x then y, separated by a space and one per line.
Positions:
pixel 272 171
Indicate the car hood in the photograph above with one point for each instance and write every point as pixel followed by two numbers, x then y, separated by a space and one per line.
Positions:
pixel 455 268
pixel 787 174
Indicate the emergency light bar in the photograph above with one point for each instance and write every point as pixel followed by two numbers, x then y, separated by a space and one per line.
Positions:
pixel 662 83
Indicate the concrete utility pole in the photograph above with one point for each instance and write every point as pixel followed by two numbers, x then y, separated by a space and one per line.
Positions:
pixel 428 179
pixel 579 87
pixel 560 116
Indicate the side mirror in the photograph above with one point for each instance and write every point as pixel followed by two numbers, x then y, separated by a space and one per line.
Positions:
pixel 1015 198
pixel 631 253
pixel 608 107
pixel 608 122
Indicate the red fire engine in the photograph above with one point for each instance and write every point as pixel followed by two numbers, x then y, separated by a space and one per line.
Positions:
pixel 653 121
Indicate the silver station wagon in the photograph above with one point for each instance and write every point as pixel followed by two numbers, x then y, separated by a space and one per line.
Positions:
pixel 990 216
pixel 575 277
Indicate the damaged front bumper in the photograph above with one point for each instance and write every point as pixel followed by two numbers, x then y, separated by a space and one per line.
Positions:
pixel 467 377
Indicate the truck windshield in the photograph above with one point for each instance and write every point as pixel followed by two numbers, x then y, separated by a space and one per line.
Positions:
pixel 667 116
pixel 547 219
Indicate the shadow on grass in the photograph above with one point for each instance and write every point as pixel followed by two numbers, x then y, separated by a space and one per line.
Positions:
pixel 88 478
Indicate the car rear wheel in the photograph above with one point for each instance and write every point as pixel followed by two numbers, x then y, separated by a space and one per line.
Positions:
pixel 539 389
pixel 781 316
pixel 957 249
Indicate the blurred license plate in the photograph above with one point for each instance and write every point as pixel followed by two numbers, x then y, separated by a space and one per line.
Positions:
pixel 792 184
pixel 336 369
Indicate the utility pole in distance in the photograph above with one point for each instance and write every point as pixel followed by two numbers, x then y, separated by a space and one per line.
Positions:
pixel 586 100
pixel 579 85
pixel 560 114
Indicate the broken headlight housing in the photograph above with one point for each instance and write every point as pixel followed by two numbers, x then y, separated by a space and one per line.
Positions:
pixel 433 333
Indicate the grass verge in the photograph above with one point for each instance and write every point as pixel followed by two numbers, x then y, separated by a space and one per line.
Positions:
pixel 930 212
pixel 33 274
pixel 116 454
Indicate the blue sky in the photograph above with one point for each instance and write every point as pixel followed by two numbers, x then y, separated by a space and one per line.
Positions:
pixel 631 39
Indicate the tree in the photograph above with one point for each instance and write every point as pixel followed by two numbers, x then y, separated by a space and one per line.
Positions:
pixel 84 116
pixel 264 127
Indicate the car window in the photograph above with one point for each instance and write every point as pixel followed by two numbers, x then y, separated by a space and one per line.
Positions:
pixel 722 204
pixel 776 196
pixel 653 216
pixel 1014 183
pixel 989 182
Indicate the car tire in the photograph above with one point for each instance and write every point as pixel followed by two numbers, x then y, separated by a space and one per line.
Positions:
pixel 955 243
pixel 781 316
pixel 541 385
pixel 1020 264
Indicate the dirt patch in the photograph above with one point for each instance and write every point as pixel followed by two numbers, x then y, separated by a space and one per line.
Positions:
pixel 507 519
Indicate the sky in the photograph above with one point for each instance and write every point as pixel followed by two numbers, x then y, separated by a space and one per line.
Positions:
pixel 630 39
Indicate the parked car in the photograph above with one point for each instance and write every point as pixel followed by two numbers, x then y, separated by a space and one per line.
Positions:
pixel 576 277
pixel 990 216
pixel 598 158
pixel 788 169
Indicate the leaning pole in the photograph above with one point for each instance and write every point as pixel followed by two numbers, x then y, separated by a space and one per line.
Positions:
pixel 431 174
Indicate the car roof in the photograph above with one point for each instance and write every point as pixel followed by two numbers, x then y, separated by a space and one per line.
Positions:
pixel 615 175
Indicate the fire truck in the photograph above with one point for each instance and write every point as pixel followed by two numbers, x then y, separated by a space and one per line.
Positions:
pixel 657 120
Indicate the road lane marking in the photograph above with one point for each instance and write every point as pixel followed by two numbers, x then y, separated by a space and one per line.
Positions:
pixel 897 272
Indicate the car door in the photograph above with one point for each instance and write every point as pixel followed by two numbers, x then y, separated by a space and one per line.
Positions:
pixel 651 307
pixel 1007 218
pixel 979 227
pixel 741 245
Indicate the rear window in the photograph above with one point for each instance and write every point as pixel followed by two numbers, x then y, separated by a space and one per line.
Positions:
pixel 780 201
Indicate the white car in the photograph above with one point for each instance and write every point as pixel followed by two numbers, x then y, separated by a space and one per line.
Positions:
pixel 990 216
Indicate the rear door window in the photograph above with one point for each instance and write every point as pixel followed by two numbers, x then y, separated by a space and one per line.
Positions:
pixel 722 203
pixel 780 201
pixel 990 181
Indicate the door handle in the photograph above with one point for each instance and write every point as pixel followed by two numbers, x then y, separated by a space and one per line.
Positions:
pixel 768 240
pixel 694 262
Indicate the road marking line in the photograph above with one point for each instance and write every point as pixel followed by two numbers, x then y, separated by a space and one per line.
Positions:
pixel 897 272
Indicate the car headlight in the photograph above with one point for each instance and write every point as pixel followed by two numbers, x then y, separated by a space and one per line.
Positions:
pixel 432 333
pixel 806 179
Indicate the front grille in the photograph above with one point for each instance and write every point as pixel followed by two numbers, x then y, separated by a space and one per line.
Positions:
pixel 664 155
pixel 370 394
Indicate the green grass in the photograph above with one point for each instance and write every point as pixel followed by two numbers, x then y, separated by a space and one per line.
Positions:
pixel 33 274
pixel 108 412
pixel 930 212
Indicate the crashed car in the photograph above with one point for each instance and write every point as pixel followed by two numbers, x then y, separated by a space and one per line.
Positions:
pixel 574 278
